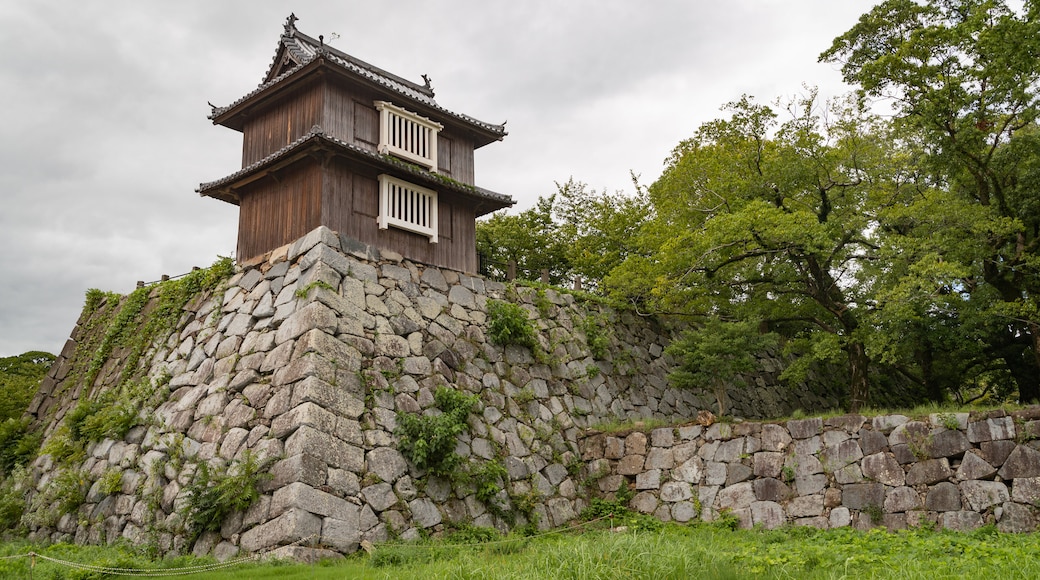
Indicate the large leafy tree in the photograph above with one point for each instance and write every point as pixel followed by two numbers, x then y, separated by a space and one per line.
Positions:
pixel 962 76
pixel 20 376
pixel 757 219
pixel 576 231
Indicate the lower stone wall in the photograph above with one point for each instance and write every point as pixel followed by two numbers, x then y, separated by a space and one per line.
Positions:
pixel 954 471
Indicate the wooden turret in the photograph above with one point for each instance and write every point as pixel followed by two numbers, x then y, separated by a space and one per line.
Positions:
pixel 331 140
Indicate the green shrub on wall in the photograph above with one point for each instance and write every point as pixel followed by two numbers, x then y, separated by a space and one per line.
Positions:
pixel 428 441
pixel 508 323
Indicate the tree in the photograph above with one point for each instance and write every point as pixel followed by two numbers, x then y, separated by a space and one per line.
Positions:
pixel 576 231
pixel 20 376
pixel 753 219
pixel 717 354
pixel 962 77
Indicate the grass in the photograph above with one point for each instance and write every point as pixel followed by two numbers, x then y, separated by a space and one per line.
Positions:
pixel 700 551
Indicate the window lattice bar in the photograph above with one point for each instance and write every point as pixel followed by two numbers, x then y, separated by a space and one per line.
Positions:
pixel 407 206
pixel 407 135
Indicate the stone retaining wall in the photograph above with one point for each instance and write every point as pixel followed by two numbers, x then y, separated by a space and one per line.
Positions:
pixel 307 358
pixel 954 471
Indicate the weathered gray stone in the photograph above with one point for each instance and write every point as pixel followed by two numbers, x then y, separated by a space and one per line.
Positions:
pixel 691 471
pixel 840 517
pixel 737 472
pixel 291 526
pixel 1024 461
pixel 1026 490
pixel 805 506
pixel 635 444
pixel 980 495
pixel 387 463
pixel 871 441
pixel 963 521
pixel 676 491
pixel 302 467
pixel 335 452
pixel 644 502
pixel 302 496
pixel 860 495
pixel 380 496
pixel 886 423
pixel 883 468
pixel 1017 519
pixel 424 512
pixel 771 489
pixel 810 484
pixel 805 428
pixel 835 457
pixel 768 514
pixel 775 437
pixel 663 437
pixel 768 464
pixel 342 534
pixel 975 467
pixel 561 510
pixel 929 472
pixel 943 497
pixel 991 430
pixel 631 465
pixel 650 479
pixel 738 496
pixel 948 444
pixel 996 452
pixel 659 458
pixel 901 499
pixel 306 414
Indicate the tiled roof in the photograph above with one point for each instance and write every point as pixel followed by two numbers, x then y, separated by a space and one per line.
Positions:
pixel 317 134
pixel 304 50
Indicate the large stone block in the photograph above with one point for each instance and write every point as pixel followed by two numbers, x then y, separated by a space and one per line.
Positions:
pixel 991 430
pixel 335 452
pixel 860 495
pixel 768 514
pixel 996 452
pixel 871 441
pixel 929 472
pixel 1024 461
pixel 344 535
pixel 302 467
pixel 805 428
pixel 1026 490
pixel 980 495
pixel 775 437
pixel 901 499
pixel 293 525
pixel 1017 518
pixel 338 399
pixel 768 464
pixel 943 497
pixel 387 463
pixel 835 457
pixel 948 444
pixel 771 489
pixel 302 496
pixel 424 512
pixel 975 467
pixel 311 316
pixel 806 506
pixel 306 414
pixel 962 521
pixel 738 496
pixel 883 468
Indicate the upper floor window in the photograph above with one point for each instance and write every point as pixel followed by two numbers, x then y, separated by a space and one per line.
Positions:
pixel 406 135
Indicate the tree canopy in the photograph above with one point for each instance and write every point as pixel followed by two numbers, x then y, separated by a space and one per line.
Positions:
pixel 901 244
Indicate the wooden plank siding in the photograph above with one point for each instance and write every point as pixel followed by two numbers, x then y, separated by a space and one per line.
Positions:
pixel 276 211
pixel 282 122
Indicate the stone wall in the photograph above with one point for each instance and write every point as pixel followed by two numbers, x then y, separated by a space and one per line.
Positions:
pixel 306 359
pixel 954 471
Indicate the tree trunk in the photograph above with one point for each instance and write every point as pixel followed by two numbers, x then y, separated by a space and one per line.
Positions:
pixel 934 388
pixel 859 385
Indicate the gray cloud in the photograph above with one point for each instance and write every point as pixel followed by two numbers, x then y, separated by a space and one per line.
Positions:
pixel 105 135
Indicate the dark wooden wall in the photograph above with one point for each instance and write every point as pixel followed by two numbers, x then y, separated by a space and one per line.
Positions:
pixel 281 122
pixel 274 212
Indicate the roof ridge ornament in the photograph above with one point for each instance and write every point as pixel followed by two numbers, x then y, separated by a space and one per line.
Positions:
pixel 290 25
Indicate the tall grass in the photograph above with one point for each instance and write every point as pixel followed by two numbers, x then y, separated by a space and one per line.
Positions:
pixel 701 551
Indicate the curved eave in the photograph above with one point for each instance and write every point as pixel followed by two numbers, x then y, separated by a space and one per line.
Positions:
pixel 234 115
pixel 225 189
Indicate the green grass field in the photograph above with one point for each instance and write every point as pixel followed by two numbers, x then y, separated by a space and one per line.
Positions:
pixel 673 551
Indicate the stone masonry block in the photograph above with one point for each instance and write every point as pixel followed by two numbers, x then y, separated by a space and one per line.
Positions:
pixel 302 496
pixel 291 526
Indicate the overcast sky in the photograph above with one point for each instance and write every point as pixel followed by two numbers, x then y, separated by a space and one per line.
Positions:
pixel 104 136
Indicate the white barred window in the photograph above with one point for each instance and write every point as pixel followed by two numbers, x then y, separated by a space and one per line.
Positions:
pixel 407 206
pixel 406 135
